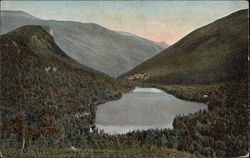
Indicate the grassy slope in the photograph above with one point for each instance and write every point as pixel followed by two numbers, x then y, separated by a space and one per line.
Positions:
pixel 27 88
pixel 216 52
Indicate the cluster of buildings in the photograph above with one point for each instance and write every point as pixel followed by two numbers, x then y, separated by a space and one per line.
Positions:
pixel 139 76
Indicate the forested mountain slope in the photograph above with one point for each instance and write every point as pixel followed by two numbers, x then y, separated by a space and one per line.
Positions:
pixel 44 93
pixel 213 53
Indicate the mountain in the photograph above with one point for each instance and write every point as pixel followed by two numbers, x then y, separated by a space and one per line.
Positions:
pixel 126 33
pixel 162 43
pixel 90 44
pixel 213 53
pixel 40 83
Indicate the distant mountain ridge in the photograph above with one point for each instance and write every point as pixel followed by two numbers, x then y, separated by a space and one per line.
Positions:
pixel 213 53
pixel 17 14
pixel 161 43
pixel 90 44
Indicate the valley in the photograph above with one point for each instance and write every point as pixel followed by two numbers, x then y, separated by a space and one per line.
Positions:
pixel 72 89
pixel 89 44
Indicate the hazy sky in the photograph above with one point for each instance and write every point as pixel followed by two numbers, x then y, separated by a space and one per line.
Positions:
pixel 166 21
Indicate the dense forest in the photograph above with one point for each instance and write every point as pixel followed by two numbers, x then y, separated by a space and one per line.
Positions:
pixel 48 104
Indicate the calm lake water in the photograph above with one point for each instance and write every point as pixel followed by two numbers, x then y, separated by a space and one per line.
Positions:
pixel 142 109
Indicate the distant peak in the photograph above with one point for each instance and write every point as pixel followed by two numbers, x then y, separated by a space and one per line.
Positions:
pixel 17 13
pixel 33 31
pixel 125 33
pixel 162 43
pixel 31 27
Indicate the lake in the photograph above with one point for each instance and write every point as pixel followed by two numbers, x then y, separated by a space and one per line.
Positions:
pixel 142 109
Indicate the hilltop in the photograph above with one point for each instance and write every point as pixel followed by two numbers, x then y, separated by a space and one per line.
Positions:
pixel 214 53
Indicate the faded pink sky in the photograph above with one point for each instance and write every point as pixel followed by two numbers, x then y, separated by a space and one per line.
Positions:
pixel 167 21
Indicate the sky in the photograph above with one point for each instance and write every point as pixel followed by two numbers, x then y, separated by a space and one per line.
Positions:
pixel 167 21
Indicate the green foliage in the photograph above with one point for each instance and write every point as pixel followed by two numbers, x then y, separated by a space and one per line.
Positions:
pixel 52 109
pixel 125 152
pixel 214 53
pixel 222 131
pixel 42 90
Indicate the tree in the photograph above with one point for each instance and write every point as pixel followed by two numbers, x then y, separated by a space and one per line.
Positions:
pixel 19 126
pixel 50 130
